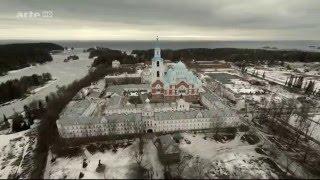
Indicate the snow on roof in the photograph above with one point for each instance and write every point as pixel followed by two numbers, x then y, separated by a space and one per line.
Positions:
pixel 121 117
pixel 171 115
pixel 76 107
pixel 79 112
pixel 119 89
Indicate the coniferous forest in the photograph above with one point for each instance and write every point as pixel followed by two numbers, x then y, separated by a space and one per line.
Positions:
pixel 105 55
pixel 232 55
pixel 17 56
pixel 14 89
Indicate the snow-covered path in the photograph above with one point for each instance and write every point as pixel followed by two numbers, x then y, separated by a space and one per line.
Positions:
pixel 151 152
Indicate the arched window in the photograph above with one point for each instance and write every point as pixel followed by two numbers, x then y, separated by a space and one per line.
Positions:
pixel 158 63
pixel 158 74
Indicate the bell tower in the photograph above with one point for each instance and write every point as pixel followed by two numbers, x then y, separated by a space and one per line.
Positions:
pixel 158 68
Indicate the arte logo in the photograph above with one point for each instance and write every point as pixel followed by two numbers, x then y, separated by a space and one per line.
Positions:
pixel 35 14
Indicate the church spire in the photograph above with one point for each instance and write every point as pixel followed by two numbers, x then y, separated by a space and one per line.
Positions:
pixel 157 50
pixel 157 41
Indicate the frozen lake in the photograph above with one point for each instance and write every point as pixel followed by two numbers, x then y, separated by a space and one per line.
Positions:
pixel 64 73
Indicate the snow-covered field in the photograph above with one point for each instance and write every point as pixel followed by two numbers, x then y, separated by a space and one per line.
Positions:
pixel 36 90
pixel 121 164
pixel 239 86
pixel 15 154
pixel 233 159
pixel 206 159
pixel 117 165
pixel 280 76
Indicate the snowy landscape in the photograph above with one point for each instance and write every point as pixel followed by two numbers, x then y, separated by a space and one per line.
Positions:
pixel 170 89
pixel 202 158
pixel 245 147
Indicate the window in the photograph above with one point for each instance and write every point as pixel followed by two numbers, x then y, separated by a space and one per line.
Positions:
pixel 158 63
pixel 158 74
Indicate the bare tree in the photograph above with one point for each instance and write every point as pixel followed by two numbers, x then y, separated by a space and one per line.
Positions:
pixel 137 156
pixel 308 148
pixel 198 168
pixel 181 165
pixel 303 122
pixel 216 124
pixel 139 126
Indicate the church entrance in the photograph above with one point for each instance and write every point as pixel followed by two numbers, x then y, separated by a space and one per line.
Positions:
pixel 149 131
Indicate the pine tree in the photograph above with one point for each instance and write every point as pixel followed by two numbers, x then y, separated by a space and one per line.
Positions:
pixel 300 82
pixel 290 81
pixel 307 87
pixel 18 123
pixel 310 87
pixel 294 83
pixel 28 114
pixel 47 99
pixel 286 82
pixel 5 119
pixel 41 106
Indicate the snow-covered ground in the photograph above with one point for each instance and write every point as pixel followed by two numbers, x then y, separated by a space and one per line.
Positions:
pixel 133 94
pixel 65 73
pixel 206 159
pixel 15 154
pixel 119 165
pixel 239 86
pixel 233 159
pixel 43 87
pixel 137 74
pixel 314 128
pixel 280 76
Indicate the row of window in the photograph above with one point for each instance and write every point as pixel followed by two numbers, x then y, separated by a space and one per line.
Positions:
pixel 149 123
pixel 119 126
pixel 120 130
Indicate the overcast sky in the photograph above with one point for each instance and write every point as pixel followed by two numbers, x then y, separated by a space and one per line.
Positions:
pixel 170 19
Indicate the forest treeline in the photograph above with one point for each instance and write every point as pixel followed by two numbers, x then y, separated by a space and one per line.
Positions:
pixel 231 55
pixel 17 56
pixel 14 89
pixel 106 55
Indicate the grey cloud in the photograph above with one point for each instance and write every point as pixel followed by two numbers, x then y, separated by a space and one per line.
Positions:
pixel 295 16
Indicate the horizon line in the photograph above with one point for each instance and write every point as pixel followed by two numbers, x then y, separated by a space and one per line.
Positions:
pixel 152 40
